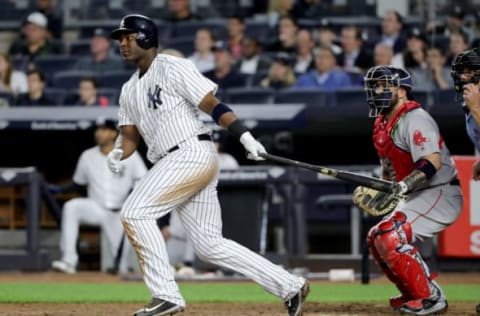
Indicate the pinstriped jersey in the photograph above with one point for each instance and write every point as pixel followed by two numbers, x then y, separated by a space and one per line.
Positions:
pixel 163 103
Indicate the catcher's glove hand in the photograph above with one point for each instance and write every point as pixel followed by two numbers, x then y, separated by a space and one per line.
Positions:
pixel 375 202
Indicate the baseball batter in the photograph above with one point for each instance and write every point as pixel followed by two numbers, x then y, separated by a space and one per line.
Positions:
pixel 160 103
pixel 413 154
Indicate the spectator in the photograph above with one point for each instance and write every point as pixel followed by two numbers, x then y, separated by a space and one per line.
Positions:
pixel 36 91
pixel 106 193
pixel 354 57
pixel 436 75
pixel 383 55
pixel 224 74
pixel 326 74
pixel 392 31
pixel 101 58
pixel 455 22
pixel 54 17
pixel 236 33
pixel 286 40
pixel 304 55
pixel 11 80
pixel 457 44
pixel 88 94
pixel 415 55
pixel 252 60
pixel 203 56
pixel 327 37
pixel 36 40
pixel 280 74
pixel 179 11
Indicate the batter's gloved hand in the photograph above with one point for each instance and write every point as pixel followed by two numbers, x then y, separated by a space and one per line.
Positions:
pixel 253 146
pixel 399 187
pixel 375 202
pixel 113 160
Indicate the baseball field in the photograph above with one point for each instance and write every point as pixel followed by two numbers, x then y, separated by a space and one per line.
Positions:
pixel 95 294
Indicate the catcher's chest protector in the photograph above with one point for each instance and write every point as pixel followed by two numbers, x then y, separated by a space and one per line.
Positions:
pixel 400 160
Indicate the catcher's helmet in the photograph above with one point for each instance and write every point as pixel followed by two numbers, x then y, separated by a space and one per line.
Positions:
pixel 468 60
pixel 147 33
pixel 380 101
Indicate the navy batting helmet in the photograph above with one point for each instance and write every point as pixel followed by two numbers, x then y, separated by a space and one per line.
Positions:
pixel 467 62
pixel 147 33
pixel 379 97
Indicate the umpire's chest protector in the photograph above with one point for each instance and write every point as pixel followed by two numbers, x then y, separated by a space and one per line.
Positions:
pixel 400 160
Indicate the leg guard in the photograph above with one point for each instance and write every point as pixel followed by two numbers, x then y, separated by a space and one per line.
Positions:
pixel 389 242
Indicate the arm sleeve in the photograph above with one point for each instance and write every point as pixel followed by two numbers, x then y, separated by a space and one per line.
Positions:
pixel 80 176
pixel 423 136
pixel 123 115
pixel 190 83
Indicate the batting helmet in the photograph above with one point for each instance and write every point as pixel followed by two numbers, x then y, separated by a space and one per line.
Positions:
pixel 147 33
pixel 468 60
pixel 381 101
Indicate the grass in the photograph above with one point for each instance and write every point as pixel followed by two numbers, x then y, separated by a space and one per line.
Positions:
pixel 208 292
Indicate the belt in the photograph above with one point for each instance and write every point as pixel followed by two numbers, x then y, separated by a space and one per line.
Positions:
pixel 201 137
pixel 455 181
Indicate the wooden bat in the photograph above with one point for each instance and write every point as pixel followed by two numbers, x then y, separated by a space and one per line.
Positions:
pixel 371 182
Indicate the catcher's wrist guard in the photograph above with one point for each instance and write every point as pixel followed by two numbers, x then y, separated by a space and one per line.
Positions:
pixel 374 202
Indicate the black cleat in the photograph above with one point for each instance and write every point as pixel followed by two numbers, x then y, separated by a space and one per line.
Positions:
pixel 158 307
pixel 295 304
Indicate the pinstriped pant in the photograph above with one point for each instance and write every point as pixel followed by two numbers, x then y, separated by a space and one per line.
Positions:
pixel 186 180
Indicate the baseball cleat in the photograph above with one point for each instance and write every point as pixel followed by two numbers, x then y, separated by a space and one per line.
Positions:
pixel 397 301
pixel 424 307
pixel 158 307
pixel 295 304
pixel 62 266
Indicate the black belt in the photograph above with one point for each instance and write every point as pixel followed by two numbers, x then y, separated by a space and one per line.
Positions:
pixel 206 137
pixel 454 182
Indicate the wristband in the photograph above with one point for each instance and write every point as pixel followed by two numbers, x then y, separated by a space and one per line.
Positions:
pixel 236 129
pixel 425 166
pixel 219 110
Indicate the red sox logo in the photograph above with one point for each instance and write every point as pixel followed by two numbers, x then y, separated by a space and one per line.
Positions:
pixel 418 138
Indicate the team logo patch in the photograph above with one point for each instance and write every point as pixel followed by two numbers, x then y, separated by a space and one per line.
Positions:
pixel 154 97
pixel 418 138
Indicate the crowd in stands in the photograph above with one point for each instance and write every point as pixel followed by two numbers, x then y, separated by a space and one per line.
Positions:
pixel 299 51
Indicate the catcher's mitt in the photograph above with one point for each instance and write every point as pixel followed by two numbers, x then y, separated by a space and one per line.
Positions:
pixel 375 202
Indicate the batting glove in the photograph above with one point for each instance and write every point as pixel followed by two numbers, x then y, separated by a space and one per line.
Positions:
pixel 399 187
pixel 113 160
pixel 253 147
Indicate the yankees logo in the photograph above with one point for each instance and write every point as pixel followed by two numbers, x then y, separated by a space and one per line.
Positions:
pixel 154 98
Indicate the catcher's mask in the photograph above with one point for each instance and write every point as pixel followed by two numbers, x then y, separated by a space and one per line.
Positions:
pixel 466 69
pixel 380 82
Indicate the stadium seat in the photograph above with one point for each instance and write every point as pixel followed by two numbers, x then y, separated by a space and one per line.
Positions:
pixel 80 47
pixel 257 29
pixel 114 79
pixel 69 79
pixel 6 99
pixel 185 44
pixel 51 64
pixel 20 63
pixel 185 29
pixel 58 95
pixel 252 95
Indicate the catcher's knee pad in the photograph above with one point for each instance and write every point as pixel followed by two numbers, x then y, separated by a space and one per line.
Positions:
pixel 390 241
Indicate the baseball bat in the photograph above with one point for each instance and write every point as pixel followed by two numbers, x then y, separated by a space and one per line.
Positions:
pixel 371 182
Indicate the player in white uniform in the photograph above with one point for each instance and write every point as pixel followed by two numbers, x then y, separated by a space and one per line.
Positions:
pixel 161 103
pixel 106 192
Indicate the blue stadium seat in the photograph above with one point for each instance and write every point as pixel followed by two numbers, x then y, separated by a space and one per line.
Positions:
pixel 257 29
pixel 80 47
pixel 58 95
pixel 20 63
pixel 69 79
pixel 51 64
pixel 252 95
pixel 185 44
pixel 114 79
pixel 6 99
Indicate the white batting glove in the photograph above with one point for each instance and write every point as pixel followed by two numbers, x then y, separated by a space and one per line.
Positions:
pixel 253 147
pixel 113 160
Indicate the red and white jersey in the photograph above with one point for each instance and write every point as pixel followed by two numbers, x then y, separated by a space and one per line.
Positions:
pixel 163 103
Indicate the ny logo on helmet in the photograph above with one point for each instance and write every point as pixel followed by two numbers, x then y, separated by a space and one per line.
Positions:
pixel 154 98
